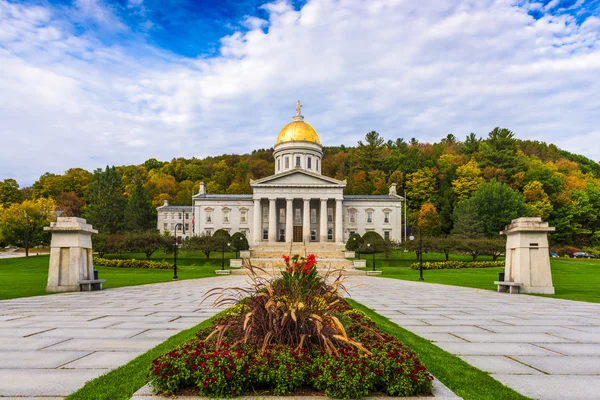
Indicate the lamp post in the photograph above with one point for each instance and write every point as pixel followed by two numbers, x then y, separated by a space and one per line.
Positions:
pixel 412 237
pixel 369 247
pixel 357 246
pixel 175 247
pixel 223 254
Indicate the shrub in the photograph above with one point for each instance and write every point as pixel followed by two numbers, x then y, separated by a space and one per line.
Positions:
pixel 353 242
pixel 459 264
pixel 131 263
pixel 566 250
pixel 239 242
pixel 145 242
pixel 372 242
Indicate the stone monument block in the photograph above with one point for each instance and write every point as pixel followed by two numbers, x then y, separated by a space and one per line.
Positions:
pixel 71 261
pixel 527 255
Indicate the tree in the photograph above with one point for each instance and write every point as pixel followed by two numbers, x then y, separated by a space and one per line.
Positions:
pixel 421 187
pixel 205 243
pixel 239 242
pixel 370 153
pixel 493 247
pixel 446 245
pixel 353 242
pixel 70 204
pixel 145 242
pixel 9 192
pixel 107 202
pixel 429 220
pixel 537 200
pixel 22 224
pixel 467 181
pixel 103 243
pixel 499 150
pixel 372 242
pixel 139 213
pixel 466 220
pixel 470 145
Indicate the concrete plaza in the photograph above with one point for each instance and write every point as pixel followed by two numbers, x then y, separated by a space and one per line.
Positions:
pixel 541 347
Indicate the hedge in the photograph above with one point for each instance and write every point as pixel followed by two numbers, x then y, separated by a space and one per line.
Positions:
pixel 458 264
pixel 131 263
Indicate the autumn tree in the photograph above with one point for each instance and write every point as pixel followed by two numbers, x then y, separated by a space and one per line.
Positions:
pixel 9 192
pixel 429 220
pixel 537 200
pixel 106 207
pixel 467 181
pixel 421 187
pixel 22 224
pixel 70 204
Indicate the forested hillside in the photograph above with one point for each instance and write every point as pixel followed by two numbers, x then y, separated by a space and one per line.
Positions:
pixel 559 186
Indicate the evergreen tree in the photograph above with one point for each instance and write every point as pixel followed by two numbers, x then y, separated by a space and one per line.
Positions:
pixel 500 152
pixel 139 213
pixel 370 153
pixel 470 145
pixel 107 203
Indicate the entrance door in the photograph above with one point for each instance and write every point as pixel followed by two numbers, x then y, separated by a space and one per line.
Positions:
pixel 297 234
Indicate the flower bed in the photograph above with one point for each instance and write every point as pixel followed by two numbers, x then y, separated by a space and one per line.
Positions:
pixel 287 334
pixel 131 263
pixel 458 264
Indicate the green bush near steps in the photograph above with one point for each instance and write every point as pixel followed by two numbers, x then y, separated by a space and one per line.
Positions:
pixel 131 263
pixel 458 264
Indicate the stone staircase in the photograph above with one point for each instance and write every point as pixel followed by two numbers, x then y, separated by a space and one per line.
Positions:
pixel 330 256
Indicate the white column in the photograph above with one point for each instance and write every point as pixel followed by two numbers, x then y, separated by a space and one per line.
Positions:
pixel 323 222
pixel 339 235
pixel 289 221
pixel 272 221
pixel 257 234
pixel 306 221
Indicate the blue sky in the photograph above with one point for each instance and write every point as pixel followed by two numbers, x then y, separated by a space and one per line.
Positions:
pixel 93 82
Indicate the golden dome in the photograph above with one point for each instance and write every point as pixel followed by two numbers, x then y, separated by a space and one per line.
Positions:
pixel 298 131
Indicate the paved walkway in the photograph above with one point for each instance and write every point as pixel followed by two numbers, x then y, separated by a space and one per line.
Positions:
pixel 51 345
pixel 541 347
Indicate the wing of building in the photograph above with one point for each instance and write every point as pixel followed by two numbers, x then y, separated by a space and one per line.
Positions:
pixel 296 203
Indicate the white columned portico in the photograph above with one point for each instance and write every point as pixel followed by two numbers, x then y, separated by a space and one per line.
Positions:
pixel 306 221
pixel 323 222
pixel 339 235
pixel 272 221
pixel 289 220
pixel 257 222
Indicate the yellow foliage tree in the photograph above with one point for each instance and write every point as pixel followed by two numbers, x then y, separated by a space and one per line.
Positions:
pixel 468 180
pixel 421 187
pixel 22 224
pixel 429 220
pixel 537 200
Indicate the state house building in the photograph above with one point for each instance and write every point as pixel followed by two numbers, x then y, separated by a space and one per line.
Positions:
pixel 296 203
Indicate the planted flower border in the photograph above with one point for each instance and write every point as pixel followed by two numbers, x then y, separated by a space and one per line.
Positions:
pixel 289 333
pixel 458 264
pixel 131 263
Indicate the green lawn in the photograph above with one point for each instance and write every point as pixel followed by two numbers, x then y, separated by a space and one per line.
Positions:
pixel 23 277
pixel 574 279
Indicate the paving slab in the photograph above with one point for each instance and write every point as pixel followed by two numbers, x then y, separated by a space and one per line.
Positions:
pixel 34 359
pixel 102 360
pixel 542 347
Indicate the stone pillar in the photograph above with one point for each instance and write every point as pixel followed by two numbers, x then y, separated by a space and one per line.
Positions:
pixel 527 257
pixel 289 220
pixel 323 222
pixel 257 234
pixel 339 233
pixel 306 221
pixel 71 261
pixel 272 221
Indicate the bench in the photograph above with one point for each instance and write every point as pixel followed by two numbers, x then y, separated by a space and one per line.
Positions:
pixel 91 284
pixel 508 287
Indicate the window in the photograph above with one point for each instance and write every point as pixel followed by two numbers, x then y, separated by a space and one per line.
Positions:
pixel 282 235
pixel 187 227
pixel 386 217
pixel 282 215
pixel 317 164
pixel 386 235
pixel 313 235
pixel 244 232
pixel 208 232
pixel 287 162
pixel 369 217
pixel 265 234
pixel 297 217
pixel 172 227
pixel 165 226
pixel 352 216
pixel 313 215
pixel 179 216
pixel 187 215
pixel 351 233
pixel 330 215
pixel 309 163
pixel 329 234
pixel 278 164
pixel 297 161
pixel 265 214
pixel 209 216
pixel 226 214
pixel 243 216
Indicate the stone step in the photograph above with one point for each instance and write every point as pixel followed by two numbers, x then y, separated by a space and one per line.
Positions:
pixel 277 271
pixel 279 254
pixel 321 263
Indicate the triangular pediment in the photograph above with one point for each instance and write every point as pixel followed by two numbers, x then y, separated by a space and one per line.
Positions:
pixel 297 177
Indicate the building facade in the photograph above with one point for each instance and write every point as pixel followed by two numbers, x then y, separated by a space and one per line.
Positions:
pixel 295 204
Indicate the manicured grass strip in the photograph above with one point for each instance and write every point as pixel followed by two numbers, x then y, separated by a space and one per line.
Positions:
pixel 123 382
pixel 460 377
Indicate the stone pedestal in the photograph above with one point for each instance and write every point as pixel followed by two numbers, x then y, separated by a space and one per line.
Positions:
pixel 70 255
pixel 527 256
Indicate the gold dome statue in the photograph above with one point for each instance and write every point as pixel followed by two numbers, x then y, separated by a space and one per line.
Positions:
pixel 298 130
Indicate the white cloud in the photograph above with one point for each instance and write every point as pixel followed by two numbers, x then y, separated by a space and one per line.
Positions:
pixel 402 68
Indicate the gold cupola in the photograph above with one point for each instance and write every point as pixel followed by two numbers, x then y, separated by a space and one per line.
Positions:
pixel 298 130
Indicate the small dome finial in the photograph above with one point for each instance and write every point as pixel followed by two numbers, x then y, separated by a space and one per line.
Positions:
pixel 298 116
